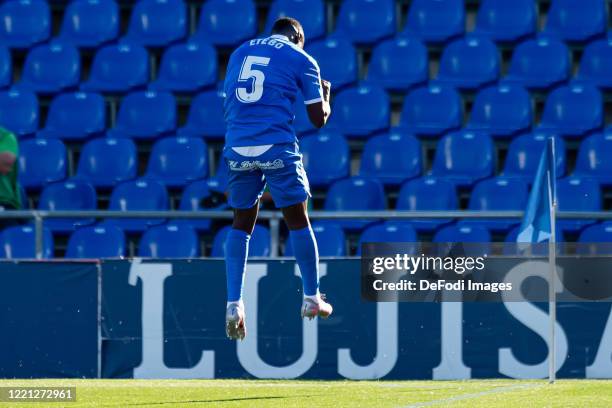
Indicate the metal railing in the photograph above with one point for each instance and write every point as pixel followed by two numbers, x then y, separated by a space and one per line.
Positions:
pixel 274 217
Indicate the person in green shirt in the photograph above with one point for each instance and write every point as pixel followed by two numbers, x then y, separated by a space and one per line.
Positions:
pixel 10 198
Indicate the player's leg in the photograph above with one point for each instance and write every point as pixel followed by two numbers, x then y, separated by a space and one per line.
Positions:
pixel 236 252
pixel 290 191
pixel 237 249
pixel 304 243
pixel 245 188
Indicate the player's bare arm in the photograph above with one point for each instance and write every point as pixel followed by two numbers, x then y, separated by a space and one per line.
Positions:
pixel 319 112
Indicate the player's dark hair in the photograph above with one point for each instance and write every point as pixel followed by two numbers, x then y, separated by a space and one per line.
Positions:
pixel 289 27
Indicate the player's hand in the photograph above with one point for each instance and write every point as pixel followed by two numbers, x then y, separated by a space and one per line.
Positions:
pixel 326 85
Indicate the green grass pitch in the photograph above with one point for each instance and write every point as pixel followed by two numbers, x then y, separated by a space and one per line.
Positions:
pixel 323 394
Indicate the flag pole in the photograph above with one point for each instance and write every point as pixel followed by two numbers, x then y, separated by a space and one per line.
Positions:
pixel 552 301
pixel 552 262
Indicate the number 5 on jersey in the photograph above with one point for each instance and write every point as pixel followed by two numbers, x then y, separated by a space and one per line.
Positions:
pixel 247 72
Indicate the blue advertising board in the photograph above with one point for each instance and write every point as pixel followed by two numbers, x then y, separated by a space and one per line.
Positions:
pixel 165 319
pixel 49 319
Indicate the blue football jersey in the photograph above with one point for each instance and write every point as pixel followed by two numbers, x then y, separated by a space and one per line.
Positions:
pixel 262 80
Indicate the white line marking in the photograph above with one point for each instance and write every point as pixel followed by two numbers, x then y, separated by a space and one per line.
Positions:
pixel 472 395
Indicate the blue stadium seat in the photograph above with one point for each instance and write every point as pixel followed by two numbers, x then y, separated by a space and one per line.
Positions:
pixel 341 197
pixel 436 21
pixel 41 162
pixel 366 21
pixel 431 111
pixel 176 161
pixel 310 13
pixel 169 241
pixel 206 116
pixel 51 68
pixel 102 241
pixel 326 157
pixel 539 64
pixel 390 231
pixel 259 245
pixel 477 237
pixel 361 111
pixel 141 194
pixel 501 110
pixel 104 162
pixel 428 194
pixel 573 110
pixel 399 64
pixel 499 194
pixel 524 155
pixel 19 242
pixel 391 158
pixel 118 68
pixel 24 23
pixel 198 196
pixel 331 240
pixel 462 233
pixel 469 63
pixel 504 21
pixel 187 68
pixel 68 195
pixel 337 59
pixel 157 23
pixel 596 63
pixel 218 19
pixel 576 20
pixel 75 116
pixel 595 158
pixel 6 67
pixel 577 194
pixel 19 111
pixel 146 115
pixel 601 232
pixel 464 157
pixel 90 23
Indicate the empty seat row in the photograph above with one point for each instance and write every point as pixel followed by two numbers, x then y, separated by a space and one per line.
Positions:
pixel 503 110
pixel 461 158
pixel 91 23
pixel 142 115
pixel 56 67
pixel 438 194
pixel 429 111
pixel 470 63
pixel 420 194
pixel 397 64
pixel 137 195
pixel 170 240
pixel 105 162
pixel 174 240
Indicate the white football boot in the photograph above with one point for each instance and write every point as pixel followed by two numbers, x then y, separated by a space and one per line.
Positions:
pixel 313 308
pixel 235 326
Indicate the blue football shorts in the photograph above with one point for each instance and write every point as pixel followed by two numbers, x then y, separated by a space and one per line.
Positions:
pixel 280 167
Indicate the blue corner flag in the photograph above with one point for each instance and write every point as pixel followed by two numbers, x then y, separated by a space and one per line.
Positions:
pixel 537 222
